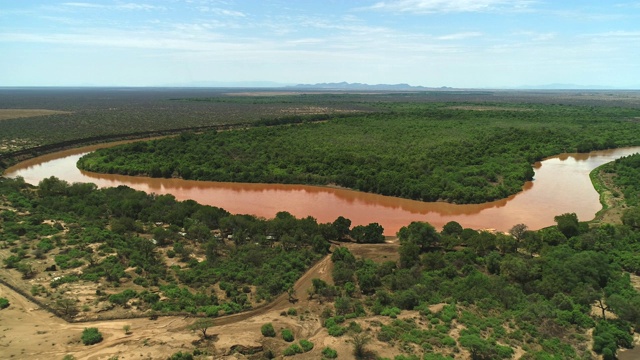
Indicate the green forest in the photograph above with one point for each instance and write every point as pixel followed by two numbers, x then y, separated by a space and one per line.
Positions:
pixel 455 152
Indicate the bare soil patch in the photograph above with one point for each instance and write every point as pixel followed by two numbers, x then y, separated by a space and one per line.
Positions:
pixel 379 253
pixel 612 199
pixel 6 114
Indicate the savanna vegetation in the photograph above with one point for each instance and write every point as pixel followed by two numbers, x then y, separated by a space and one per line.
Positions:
pixel 556 293
pixel 428 152
pixel 564 292
pixel 40 120
pixel 155 253
pixel 537 292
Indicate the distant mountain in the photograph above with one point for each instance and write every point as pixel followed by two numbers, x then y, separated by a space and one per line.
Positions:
pixel 359 86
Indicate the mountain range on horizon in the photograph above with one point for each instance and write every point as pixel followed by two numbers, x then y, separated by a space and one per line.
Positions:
pixel 347 86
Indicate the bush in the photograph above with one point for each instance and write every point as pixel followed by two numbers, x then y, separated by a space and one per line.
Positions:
pixel 329 353
pixel 91 336
pixel 292 350
pixel 4 303
pixel 181 356
pixel 391 312
pixel 292 312
pixel 336 330
pixel 268 330
pixel 287 335
pixel 306 345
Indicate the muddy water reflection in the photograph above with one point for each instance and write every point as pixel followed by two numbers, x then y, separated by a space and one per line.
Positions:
pixel 561 185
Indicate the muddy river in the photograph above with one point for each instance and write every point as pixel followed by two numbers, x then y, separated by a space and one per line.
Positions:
pixel 561 185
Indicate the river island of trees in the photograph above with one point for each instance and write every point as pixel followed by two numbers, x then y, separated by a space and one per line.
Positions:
pixel 461 153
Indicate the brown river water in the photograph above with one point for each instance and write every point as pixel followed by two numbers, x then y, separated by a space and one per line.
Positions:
pixel 561 185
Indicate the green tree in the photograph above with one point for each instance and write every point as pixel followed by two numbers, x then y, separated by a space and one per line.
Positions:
pixel 342 227
pixel 91 336
pixel 568 224
pixel 202 325
pixel 631 217
pixel 372 233
pixel 518 231
pixel 287 335
pixel 66 307
pixel 329 353
pixel 422 234
pixel 359 341
pixel 268 330
pixel 452 228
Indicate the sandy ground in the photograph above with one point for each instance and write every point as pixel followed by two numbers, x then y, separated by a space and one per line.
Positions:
pixel 22 113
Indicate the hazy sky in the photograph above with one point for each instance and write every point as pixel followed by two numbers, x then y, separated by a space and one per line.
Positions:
pixel 458 43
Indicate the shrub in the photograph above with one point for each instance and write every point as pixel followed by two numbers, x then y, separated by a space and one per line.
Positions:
pixel 329 353
pixel 336 330
pixel 292 312
pixel 292 350
pixel 4 303
pixel 287 335
pixel 91 336
pixel 306 345
pixel 268 330
pixel 181 356
pixel 391 312
pixel 448 341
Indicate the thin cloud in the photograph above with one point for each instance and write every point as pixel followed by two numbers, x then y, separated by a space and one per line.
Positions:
pixel 449 6
pixel 124 6
pixel 134 6
pixel 615 36
pixel 460 36
pixel 537 36
pixel 83 5
pixel 221 11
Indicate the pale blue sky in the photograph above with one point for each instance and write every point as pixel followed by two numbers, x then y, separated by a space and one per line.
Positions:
pixel 458 43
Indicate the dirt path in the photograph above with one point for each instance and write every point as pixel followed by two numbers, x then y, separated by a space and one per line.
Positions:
pixel 321 270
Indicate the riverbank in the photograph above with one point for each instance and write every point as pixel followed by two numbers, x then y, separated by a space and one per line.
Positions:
pixel 611 198
pixel 561 185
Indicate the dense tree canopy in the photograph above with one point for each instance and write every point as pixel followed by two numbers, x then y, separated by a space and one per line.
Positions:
pixel 427 152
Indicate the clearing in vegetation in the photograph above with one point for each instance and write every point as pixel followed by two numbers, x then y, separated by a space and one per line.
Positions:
pixel 6 114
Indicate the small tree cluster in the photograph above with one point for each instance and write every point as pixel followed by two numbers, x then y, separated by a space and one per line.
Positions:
pixel 287 335
pixel 268 330
pixel 91 336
